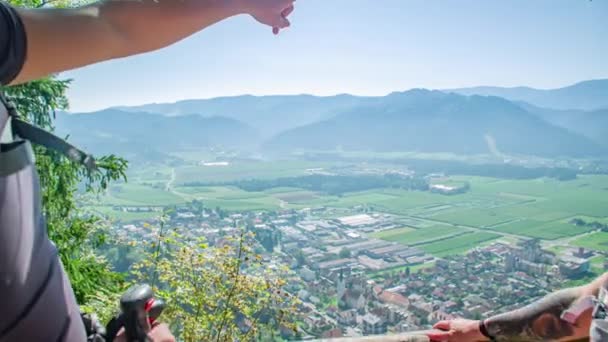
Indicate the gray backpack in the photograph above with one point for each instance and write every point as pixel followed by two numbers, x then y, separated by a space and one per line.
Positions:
pixel 38 303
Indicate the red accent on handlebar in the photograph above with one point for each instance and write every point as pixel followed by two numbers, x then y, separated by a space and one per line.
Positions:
pixel 149 304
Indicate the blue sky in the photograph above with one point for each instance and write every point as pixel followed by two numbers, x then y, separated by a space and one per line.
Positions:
pixel 365 47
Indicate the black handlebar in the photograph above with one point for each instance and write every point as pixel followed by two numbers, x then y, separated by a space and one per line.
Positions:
pixel 139 310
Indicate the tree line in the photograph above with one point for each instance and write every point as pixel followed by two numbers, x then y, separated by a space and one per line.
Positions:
pixel 332 185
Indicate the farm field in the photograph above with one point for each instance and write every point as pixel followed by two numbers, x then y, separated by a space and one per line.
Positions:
pixel 140 195
pixel 542 230
pixel 241 170
pixel 474 217
pixel 458 244
pixel 156 174
pixel 378 275
pixel 417 236
pixel 392 233
pixel 124 216
pixel 539 208
pixel 296 196
pixel 595 241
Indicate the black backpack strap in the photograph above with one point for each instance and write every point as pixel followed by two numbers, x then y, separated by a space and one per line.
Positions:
pixel 27 131
pixel 42 137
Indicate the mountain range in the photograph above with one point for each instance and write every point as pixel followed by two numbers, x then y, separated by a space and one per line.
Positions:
pixel 587 95
pixel 434 121
pixel 569 121
pixel 138 135
pixel 268 114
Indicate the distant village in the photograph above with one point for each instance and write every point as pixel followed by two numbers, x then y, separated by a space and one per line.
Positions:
pixel 351 284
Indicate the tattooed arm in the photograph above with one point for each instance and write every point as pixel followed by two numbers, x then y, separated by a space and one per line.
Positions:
pixel 539 321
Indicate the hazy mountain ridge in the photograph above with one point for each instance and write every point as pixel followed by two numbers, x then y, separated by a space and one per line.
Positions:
pixel 592 124
pixel 433 121
pixel 260 112
pixel 586 95
pixel 415 120
pixel 114 131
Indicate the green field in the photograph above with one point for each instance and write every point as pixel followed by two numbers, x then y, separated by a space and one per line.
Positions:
pixel 125 216
pixel 538 208
pixel 193 190
pixel 542 230
pixel 403 201
pixel 243 205
pixel 140 195
pixel 531 210
pixel 231 198
pixel 458 244
pixel 595 241
pixel 379 275
pixel 474 217
pixel 296 196
pixel 412 237
pixel 241 170
pixel 392 233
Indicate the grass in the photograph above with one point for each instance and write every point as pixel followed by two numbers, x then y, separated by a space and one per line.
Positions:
pixel 241 205
pixel 377 275
pixel 193 190
pixel 124 216
pixel 373 197
pixel 392 233
pixel 596 241
pixel 404 200
pixel 150 174
pixel 281 190
pixel 417 236
pixel 593 205
pixel 586 195
pixel 420 267
pixel 597 263
pixel 296 196
pixel 542 230
pixel 558 230
pixel 240 170
pixel 135 194
pixel 474 217
pixel 523 210
pixel 228 198
pixel 458 244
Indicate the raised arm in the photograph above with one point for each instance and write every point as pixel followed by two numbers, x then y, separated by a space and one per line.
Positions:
pixel 64 39
pixel 539 321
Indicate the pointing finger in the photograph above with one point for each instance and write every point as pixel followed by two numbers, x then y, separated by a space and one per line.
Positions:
pixel 281 23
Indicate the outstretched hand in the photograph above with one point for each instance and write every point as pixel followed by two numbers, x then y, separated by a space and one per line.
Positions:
pixel 458 330
pixel 273 13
